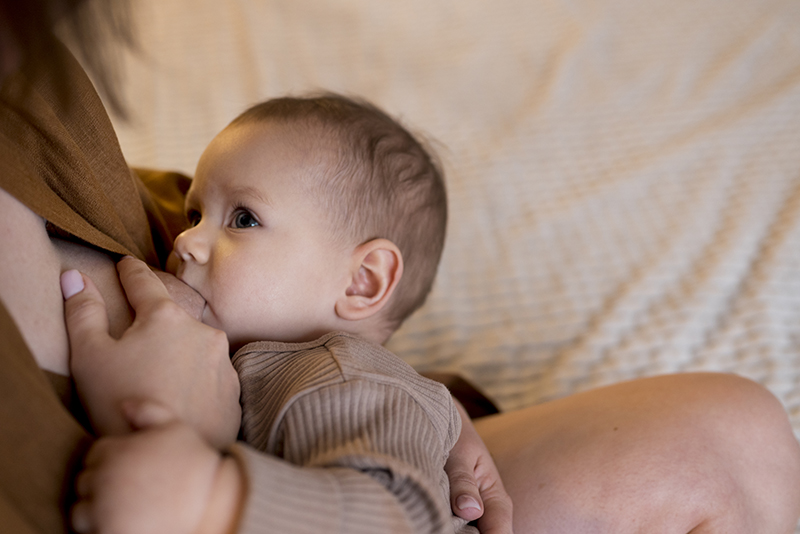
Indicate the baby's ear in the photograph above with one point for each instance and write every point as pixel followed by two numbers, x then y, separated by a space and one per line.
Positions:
pixel 377 269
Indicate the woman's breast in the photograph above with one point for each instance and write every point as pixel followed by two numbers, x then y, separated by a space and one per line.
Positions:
pixel 31 264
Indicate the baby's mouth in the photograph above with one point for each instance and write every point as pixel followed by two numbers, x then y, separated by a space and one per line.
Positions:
pixel 187 297
pixel 197 307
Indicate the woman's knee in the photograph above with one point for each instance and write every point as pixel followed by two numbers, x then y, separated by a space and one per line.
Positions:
pixel 666 454
pixel 728 456
pixel 758 487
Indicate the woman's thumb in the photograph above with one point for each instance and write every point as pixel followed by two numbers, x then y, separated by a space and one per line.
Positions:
pixel 84 313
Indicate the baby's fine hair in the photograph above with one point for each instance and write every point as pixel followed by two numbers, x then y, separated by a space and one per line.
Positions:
pixel 386 184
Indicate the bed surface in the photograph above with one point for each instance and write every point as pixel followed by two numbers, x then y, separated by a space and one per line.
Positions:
pixel 624 175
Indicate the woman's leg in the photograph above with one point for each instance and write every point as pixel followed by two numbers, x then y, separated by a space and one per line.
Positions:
pixel 700 453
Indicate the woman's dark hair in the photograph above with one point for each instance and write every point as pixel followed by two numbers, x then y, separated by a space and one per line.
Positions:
pixel 93 29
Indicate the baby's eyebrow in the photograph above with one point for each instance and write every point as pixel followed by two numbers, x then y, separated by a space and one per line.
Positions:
pixel 251 192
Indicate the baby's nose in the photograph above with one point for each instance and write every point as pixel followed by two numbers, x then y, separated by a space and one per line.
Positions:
pixel 190 245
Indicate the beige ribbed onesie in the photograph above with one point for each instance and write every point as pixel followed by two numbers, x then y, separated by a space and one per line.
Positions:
pixel 377 433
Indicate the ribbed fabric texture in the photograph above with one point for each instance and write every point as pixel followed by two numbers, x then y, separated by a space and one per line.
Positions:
pixel 342 403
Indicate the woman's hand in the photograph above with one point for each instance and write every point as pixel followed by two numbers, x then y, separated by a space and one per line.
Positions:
pixel 476 491
pixel 166 357
pixel 161 479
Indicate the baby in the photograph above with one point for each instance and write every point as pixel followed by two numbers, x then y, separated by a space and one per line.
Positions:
pixel 317 224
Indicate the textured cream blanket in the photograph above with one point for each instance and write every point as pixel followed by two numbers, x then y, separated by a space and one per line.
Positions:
pixel 624 175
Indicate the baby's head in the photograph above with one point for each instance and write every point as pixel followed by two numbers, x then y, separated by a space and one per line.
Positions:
pixel 311 215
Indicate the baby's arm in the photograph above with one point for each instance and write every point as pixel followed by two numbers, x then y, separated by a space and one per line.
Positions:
pixel 166 479
pixel 343 402
pixel 379 430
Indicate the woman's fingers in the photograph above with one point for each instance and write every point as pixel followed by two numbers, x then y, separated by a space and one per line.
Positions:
pixel 84 311
pixel 499 512
pixel 476 491
pixel 142 287
pixel 465 497
pixel 195 382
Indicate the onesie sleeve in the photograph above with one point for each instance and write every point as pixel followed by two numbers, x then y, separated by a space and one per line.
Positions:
pixel 290 499
pixel 380 430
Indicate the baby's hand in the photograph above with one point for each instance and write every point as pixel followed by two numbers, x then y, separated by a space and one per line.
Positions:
pixel 164 479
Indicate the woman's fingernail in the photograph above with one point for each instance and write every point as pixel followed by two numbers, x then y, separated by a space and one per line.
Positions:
pixel 465 502
pixel 71 283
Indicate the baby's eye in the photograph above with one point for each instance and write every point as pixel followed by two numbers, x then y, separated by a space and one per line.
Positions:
pixel 243 219
pixel 193 216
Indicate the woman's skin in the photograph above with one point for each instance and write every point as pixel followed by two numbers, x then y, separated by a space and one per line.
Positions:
pixel 30 288
pixel 700 453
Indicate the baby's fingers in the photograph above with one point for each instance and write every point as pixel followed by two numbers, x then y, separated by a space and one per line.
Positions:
pixel 142 414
